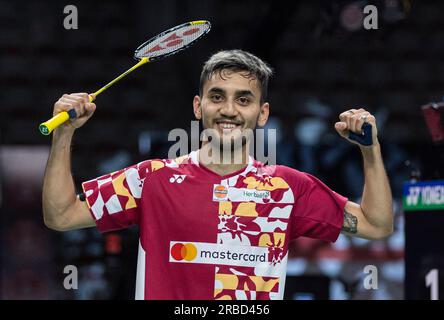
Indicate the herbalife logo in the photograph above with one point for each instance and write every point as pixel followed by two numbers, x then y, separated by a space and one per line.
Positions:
pixel 257 194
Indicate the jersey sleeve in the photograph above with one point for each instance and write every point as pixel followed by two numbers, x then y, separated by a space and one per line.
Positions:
pixel 318 211
pixel 114 199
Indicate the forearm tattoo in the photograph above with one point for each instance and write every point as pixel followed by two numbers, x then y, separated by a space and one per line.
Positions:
pixel 350 223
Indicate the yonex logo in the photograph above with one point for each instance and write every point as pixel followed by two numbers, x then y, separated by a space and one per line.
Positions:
pixel 187 252
pixel 173 40
pixel 178 178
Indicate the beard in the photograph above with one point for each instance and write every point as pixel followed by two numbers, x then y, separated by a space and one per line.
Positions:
pixel 228 144
pixel 229 141
pixel 227 149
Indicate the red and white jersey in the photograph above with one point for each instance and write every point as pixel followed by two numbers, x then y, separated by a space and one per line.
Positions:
pixel 206 236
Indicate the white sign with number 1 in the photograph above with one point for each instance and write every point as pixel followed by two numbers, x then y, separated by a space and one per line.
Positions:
pixel 431 280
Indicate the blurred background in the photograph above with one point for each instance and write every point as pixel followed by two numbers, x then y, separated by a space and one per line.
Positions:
pixel 324 62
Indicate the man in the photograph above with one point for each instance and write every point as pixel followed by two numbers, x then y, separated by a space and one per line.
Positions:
pixel 213 229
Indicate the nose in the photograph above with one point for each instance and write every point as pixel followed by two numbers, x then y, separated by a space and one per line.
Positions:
pixel 229 109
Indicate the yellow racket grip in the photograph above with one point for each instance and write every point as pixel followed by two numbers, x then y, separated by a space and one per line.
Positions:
pixel 47 127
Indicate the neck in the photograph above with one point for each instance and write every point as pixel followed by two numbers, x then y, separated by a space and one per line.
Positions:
pixel 223 162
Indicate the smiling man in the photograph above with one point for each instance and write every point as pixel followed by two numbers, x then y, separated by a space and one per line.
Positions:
pixel 231 105
pixel 212 228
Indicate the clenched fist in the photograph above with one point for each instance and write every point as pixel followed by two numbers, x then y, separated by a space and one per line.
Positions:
pixel 352 121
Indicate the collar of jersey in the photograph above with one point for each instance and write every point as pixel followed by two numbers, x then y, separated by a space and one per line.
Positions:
pixel 194 156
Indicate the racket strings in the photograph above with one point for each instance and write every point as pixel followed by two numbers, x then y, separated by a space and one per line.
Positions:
pixel 171 41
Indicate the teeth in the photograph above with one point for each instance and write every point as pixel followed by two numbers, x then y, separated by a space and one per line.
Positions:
pixel 227 125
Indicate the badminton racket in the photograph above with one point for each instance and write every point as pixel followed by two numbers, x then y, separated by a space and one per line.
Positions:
pixel 161 46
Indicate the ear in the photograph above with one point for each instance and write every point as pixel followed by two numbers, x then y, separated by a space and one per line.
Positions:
pixel 197 107
pixel 263 115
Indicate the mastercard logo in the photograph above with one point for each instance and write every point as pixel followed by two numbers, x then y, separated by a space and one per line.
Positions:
pixel 220 192
pixel 187 252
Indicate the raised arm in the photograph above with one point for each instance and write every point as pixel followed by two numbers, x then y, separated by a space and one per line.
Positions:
pixel 373 218
pixel 62 208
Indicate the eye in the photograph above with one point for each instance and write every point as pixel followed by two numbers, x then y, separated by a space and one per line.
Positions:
pixel 243 101
pixel 216 98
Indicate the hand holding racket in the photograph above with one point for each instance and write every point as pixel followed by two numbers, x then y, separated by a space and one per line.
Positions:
pixel 163 45
pixel 77 104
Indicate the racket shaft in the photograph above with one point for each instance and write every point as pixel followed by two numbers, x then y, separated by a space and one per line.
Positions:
pixel 47 127
pixel 95 94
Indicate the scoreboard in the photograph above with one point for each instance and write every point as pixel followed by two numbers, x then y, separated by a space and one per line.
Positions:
pixel 423 204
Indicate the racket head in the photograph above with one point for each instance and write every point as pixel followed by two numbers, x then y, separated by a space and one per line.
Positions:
pixel 172 40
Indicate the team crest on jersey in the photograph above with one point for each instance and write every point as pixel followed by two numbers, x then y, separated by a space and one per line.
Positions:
pixel 220 193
